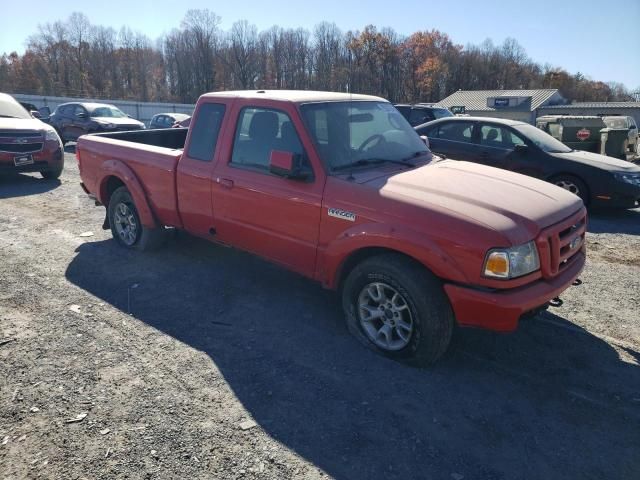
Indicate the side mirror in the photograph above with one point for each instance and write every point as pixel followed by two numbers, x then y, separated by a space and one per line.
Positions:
pixel 35 114
pixel 287 165
pixel 425 140
pixel 520 147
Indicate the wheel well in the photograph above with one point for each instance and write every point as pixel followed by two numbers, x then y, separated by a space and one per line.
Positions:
pixel 551 178
pixel 110 186
pixel 361 255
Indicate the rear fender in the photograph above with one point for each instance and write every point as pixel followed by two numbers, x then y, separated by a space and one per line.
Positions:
pixel 117 168
pixel 399 239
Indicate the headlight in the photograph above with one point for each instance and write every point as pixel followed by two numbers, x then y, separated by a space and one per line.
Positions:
pixel 632 178
pixel 511 262
pixel 51 134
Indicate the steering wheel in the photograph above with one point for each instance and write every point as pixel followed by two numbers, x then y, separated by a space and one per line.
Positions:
pixel 369 140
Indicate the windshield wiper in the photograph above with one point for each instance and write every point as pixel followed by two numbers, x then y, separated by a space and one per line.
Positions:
pixel 372 161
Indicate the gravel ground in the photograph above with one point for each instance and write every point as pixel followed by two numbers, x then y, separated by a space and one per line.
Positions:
pixel 199 361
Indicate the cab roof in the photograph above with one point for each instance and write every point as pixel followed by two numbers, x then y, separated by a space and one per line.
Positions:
pixel 295 96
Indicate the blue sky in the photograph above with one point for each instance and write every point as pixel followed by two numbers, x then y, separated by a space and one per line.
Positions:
pixel 598 38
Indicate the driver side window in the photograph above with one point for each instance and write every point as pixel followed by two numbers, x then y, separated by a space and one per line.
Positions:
pixel 260 131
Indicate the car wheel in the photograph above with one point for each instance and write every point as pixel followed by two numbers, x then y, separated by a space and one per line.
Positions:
pixel 52 174
pixel 125 224
pixel 574 185
pixel 397 308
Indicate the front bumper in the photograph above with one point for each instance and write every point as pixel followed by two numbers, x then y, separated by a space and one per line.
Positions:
pixel 618 195
pixel 500 310
pixel 45 160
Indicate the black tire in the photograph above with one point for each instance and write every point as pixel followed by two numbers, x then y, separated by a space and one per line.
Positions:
pixel 52 174
pixel 574 185
pixel 425 300
pixel 139 238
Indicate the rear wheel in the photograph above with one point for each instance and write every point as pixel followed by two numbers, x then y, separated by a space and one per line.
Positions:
pixel 574 185
pixel 399 309
pixel 125 224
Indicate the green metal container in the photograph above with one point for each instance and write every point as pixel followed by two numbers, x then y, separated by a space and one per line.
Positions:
pixel 577 132
pixel 614 142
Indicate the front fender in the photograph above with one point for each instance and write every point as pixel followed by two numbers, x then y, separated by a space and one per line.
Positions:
pixel 399 239
pixel 117 168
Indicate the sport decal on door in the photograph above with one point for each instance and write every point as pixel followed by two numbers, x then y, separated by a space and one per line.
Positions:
pixel 342 214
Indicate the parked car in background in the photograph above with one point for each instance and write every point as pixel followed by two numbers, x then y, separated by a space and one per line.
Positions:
pixel 422 112
pixel 32 109
pixel 341 189
pixel 622 122
pixel 597 179
pixel 183 123
pixel 26 143
pixel 167 120
pixel 71 120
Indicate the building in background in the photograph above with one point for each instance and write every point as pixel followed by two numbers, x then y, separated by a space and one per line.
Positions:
pixel 523 105
pixel 601 109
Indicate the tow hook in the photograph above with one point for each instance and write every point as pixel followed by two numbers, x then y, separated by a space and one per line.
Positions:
pixel 577 282
pixel 555 302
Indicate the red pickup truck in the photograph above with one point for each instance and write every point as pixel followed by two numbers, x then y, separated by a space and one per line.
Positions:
pixel 340 189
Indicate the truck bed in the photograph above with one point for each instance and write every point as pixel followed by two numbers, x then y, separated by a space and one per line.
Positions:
pixel 153 157
pixel 172 138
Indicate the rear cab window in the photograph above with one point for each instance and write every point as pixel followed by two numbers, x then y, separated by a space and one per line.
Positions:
pixel 205 130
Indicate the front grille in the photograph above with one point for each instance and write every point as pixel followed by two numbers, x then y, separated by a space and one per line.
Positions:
pixel 559 244
pixel 18 133
pixel 20 147
pixel 21 141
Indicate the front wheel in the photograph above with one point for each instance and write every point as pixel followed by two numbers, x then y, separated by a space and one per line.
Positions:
pixel 574 185
pixel 52 174
pixel 125 224
pixel 399 309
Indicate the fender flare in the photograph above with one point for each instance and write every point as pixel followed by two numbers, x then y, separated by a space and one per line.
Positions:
pixel 120 170
pixel 399 239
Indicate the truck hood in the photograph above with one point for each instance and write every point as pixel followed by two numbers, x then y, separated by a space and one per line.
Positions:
pixel 514 205
pixel 22 124
pixel 599 161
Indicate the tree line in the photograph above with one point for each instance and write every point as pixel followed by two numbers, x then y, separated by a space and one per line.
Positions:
pixel 77 58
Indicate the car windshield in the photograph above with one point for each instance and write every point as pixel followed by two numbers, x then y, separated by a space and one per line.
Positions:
pixel 615 122
pixel 107 112
pixel 361 133
pixel 542 140
pixel 9 108
pixel 442 113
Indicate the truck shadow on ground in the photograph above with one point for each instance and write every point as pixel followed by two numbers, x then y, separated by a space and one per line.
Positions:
pixel 21 185
pixel 615 221
pixel 531 404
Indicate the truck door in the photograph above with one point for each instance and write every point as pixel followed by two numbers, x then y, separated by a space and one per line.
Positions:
pixel 261 212
pixel 194 176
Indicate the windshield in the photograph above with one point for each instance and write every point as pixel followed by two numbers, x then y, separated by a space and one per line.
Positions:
pixel 107 112
pixel 542 140
pixel 9 108
pixel 352 133
pixel 442 113
pixel 615 122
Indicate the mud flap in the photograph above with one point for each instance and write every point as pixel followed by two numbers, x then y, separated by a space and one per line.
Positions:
pixel 106 225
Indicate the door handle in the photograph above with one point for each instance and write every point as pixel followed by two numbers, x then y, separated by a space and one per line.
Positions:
pixel 225 182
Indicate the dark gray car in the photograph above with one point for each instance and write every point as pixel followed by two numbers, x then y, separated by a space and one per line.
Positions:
pixel 523 148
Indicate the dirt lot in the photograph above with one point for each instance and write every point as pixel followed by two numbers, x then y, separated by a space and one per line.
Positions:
pixel 168 354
